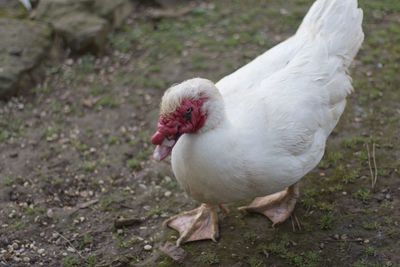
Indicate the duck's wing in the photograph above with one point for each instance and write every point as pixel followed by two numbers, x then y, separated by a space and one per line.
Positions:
pixel 293 110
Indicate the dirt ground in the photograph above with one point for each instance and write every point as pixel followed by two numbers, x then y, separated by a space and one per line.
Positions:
pixel 76 157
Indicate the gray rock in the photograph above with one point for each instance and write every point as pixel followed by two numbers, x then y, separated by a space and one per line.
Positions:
pixel 114 11
pixel 50 10
pixel 12 9
pixel 82 31
pixel 84 24
pixel 23 46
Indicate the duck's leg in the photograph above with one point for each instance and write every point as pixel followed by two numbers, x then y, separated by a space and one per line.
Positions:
pixel 277 207
pixel 197 224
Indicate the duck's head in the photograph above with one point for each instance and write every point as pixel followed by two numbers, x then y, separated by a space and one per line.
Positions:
pixel 191 107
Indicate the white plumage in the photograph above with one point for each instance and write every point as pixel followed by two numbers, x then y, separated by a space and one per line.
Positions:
pixel 275 113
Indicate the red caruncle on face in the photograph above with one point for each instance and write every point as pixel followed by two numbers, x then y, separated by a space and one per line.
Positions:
pixel 187 118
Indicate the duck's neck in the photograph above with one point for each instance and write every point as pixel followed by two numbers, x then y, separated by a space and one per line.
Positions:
pixel 215 110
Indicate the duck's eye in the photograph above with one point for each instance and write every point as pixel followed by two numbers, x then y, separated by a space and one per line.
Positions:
pixel 188 114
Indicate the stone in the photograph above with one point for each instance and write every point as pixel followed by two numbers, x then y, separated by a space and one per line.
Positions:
pixel 75 23
pixel 24 45
pixel 84 24
pixel 51 10
pixel 12 9
pixel 148 247
pixel 114 11
pixel 82 31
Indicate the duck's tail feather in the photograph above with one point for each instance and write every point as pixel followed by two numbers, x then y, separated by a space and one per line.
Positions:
pixel 339 22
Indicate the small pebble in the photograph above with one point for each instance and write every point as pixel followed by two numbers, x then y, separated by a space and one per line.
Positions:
pixel 41 250
pixel 69 61
pixel 148 247
pixel 168 194
pixel 50 213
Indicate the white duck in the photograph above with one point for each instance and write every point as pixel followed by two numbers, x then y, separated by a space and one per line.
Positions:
pixel 259 130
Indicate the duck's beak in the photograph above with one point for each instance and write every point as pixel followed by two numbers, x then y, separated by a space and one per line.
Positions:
pixel 164 146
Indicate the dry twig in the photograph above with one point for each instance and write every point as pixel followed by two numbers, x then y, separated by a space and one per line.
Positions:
pixel 70 244
pixel 373 170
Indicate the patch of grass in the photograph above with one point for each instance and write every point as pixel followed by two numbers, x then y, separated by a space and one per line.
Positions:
pixel 51 133
pixel 134 163
pixel 4 135
pixel 154 211
pixel 308 199
pixel 353 142
pixel 255 262
pixel 107 201
pixel 350 176
pixel 362 194
pixel 91 261
pixel 85 241
pixel 81 147
pixel 208 258
pixel 281 249
pixel 325 206
pixel 370 225
pixel 34 210
pixel 42 90
pixel 331 159
pixel 107 101
pixel 70 261
pixel 326 222
pixel 112 140
pixel 250 237
pixel 370 251
pixel 9 180
pixel 17 225
pixel 86 64
pixel 89 166
pixel 166 262
pixel 363 156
